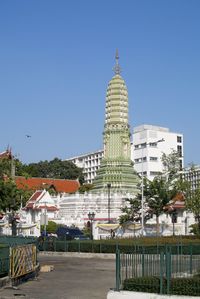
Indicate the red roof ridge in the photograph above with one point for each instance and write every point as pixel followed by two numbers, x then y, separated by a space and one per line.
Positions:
pixel 41 178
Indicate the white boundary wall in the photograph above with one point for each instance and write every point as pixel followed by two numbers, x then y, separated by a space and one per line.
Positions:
pixel 138 295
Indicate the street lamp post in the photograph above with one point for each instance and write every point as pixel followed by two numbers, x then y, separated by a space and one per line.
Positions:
pixel 91 217
pixel 109 187
pixel 45 220
pixel 142 203
pixel 174 219
pixel 186 224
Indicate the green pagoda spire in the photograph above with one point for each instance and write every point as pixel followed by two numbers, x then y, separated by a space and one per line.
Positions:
pixel 116 167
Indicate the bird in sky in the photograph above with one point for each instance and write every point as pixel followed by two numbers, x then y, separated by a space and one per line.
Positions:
pixel 28 136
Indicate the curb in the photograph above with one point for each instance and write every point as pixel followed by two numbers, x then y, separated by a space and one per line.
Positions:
pixel 77 254
pixel 6 281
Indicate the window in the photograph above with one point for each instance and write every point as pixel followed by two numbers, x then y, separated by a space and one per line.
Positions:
pixel 136 146
pixel 153 159
pixel 142 145
pixel 179 150
pixel 153 144
pixel 179 139
pixel 144 173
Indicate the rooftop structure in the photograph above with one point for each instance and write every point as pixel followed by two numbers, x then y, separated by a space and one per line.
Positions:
pixel 6 154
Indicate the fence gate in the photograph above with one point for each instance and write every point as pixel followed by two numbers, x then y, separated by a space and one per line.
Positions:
pixel 22 260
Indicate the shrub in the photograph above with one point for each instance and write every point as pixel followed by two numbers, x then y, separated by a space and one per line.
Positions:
pixel 142 284
pixel 195 229
pixel 178 286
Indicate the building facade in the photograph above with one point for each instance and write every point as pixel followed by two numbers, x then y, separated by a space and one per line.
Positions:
pixel 146 152
pixel 192 175
pixel 149 144
pixel 90 163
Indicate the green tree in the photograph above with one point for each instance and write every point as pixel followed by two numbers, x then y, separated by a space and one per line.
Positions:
pixel 157 197
pixel 164 187
pixel 10 196
pixel 192 203
pixel 50 228
pixel 55 168
pixel 85 188
pixel 10 200
pixel 5 167
pixel 171 165
pixel 159 192
pixel 132 211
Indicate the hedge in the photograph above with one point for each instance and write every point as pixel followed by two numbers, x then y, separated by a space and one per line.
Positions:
pixel 178 286
pixel 110 246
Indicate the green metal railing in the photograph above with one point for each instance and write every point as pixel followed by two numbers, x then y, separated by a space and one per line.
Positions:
pixel 14 241
pixel 4 260
pixel 161 264
pixel 100 246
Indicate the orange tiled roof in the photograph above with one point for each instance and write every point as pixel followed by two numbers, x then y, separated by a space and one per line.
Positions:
pixel 179 197
pixel 178 202
pixel 60 185
pixel 35 196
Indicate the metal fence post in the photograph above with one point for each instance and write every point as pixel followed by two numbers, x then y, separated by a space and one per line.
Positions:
pixel 79 246
pixel 65 242
pixel 10 264
pixel 45 244
pixel 142 261
pixel 161 271
pixel 117 246
pixel 168 270
pixel 55 241
pixel 191 258
pixel 118 280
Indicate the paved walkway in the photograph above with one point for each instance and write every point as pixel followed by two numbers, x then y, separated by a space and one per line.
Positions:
pixel 72 278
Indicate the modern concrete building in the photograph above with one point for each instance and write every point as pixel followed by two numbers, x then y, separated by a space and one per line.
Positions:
pixel 90 163
pixel 192 175
pixel 149 144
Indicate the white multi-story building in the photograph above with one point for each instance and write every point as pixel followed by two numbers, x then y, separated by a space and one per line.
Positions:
pixel 192 175
pixel 90 163
pixel 146 152
pixel 149 144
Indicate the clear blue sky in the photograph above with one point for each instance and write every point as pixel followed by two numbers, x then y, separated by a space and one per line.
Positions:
pixel 56 59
